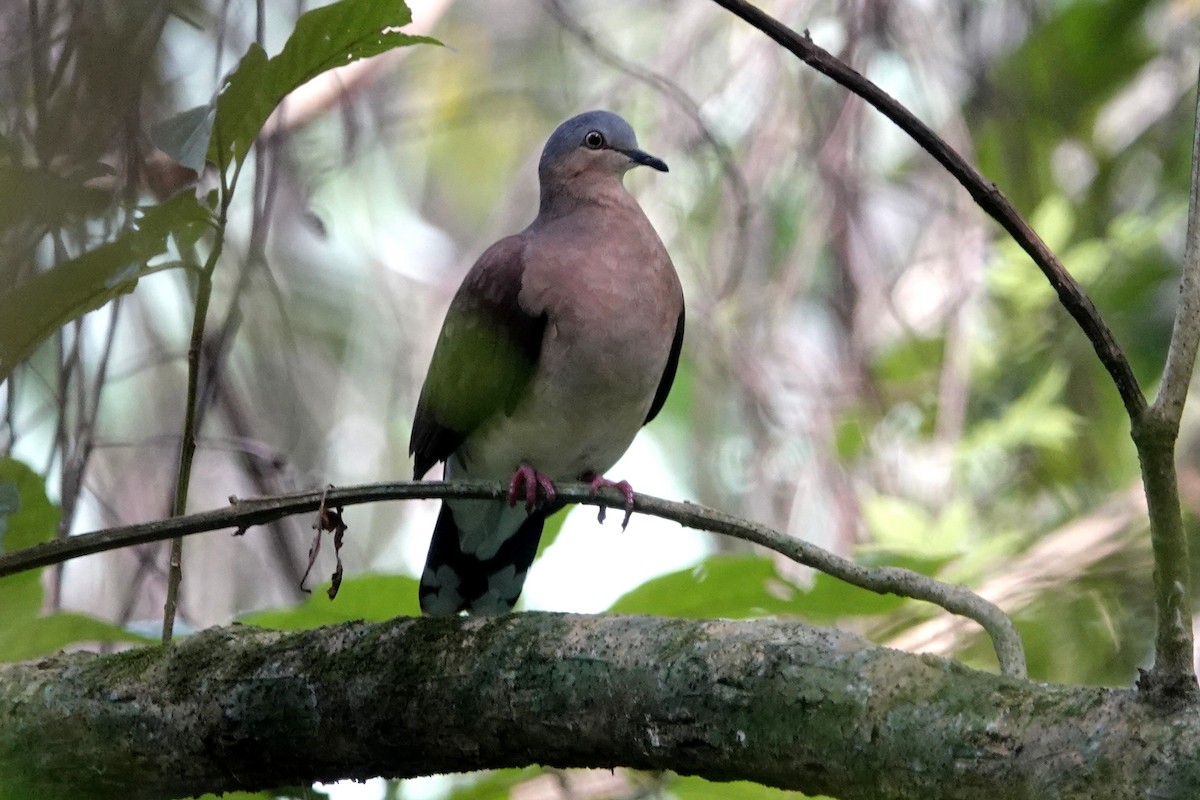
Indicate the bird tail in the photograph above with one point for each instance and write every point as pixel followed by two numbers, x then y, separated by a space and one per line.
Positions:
pixel 455 581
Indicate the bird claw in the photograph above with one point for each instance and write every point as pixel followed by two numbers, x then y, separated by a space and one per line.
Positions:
pixel 530 480
pixel 601 482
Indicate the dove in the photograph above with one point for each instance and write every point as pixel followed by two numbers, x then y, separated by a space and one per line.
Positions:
pixel 562 341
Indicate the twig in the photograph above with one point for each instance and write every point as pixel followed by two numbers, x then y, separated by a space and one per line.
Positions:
pixel 245 513
pixel 193 410
pixel 187 444
pixel 1181 357
pixel 984 192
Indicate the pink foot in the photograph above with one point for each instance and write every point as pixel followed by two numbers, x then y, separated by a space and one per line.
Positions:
pixel 601 482
pixel 527 480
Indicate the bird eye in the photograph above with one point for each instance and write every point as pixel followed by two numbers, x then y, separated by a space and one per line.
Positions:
pixel 594 140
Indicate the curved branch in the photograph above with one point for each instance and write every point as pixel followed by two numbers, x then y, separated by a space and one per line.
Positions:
pixel 244 513
pixel 985 193
pixel 1154 428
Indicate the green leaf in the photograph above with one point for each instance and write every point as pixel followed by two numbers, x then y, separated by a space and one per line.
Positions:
pixel 831 598
pixel 38 636
pixel 185 136
pixel 1038 419
pixel 20 598
pixel 900 525
pixel 278 793
pixel 850 434
pixel 32 311
pixel 27 517
pixel 896 523
pixel 551 530
pixel 909 359
pixel 1014 277
pixel 737 587
pixel 324 38
pixel 681 399
pixel 693 788
pixel 734 587
pixel 10 502
pixel 495 785
pixel 373 598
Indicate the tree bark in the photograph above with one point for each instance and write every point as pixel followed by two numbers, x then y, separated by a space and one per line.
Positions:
pixel 781 703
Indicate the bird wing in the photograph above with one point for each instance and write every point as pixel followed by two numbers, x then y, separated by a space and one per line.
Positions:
pixel 484 358
pixel 668 376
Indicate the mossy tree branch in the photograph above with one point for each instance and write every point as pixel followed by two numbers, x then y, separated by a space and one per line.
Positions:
pixel 780 703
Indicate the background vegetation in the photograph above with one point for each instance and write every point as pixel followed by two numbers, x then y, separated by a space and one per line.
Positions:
pixel 868 366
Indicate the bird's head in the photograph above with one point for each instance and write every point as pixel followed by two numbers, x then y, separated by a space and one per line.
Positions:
pixel 593 145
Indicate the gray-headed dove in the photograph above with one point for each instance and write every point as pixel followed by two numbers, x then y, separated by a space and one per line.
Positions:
pixel 562 341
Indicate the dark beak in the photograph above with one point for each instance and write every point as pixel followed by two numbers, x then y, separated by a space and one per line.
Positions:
pixel 640 157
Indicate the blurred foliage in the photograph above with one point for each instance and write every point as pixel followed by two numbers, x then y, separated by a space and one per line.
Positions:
pixel 497 785
pixel 869 364
pixel 34 309
pixel 322 39
pixel 373 598
pixel 739 587
pixel 692 788
pixel 283 793
pixel 27 517
pixel 494 785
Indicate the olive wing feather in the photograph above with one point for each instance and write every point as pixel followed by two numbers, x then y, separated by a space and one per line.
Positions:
pixel 485 356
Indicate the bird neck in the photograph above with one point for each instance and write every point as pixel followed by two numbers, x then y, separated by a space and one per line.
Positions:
pixel 564 196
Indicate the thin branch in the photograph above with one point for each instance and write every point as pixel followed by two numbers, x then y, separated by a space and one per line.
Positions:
pixel 187 444
pixel 1181 357
pixel 244 513
pixel 1174 672
pixel 984 192
pixel 193 411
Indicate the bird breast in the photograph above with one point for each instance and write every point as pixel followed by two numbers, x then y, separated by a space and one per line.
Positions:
pixel 612 300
